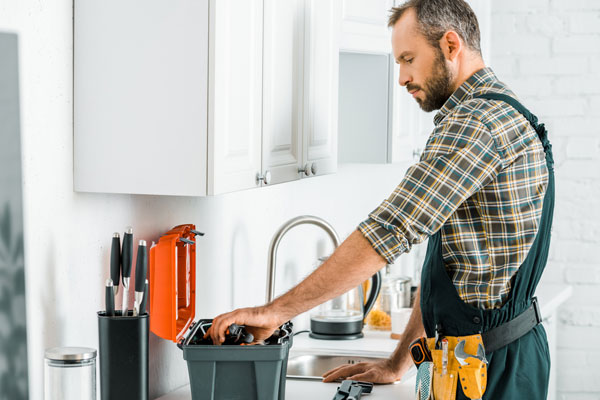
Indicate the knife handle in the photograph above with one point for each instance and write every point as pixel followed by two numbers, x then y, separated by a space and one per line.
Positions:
pixel 115 259
pixel 141 266
pixel 110 299
pixel 127 254
pixel 143 303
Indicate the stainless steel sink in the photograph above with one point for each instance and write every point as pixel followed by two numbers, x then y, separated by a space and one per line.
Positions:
pixel 313 365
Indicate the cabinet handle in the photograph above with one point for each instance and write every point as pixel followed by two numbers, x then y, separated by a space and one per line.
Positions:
pixel 308 170
pixel 305 170
pixel 265 178
pixel 417 153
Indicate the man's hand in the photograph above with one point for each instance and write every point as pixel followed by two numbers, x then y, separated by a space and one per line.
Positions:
pixel 259 321
pixel 375 372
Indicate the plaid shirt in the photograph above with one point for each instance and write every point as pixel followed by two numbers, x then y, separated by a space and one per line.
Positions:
pixel 481 179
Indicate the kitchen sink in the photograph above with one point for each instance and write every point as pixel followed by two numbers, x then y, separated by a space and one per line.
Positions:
pixel 313 365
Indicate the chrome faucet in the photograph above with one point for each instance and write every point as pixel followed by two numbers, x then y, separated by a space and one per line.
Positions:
pixel 301 220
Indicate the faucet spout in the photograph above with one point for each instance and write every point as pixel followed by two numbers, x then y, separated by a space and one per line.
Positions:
pixel 273 247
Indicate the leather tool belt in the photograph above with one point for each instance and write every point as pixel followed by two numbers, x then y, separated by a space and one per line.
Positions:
pixel 510 331
pixel 449 360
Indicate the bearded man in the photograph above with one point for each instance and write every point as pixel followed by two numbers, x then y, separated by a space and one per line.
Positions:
pixel 482 192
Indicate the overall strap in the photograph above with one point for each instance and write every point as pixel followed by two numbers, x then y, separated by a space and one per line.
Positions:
pixel 533 120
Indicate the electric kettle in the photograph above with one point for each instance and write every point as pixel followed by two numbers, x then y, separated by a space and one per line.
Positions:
pixel 342 318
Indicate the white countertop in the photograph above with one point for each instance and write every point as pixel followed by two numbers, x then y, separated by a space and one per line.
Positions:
pixel 302 390
pixel 550 297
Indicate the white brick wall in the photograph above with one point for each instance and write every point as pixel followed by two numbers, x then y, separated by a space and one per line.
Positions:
pixel 548 51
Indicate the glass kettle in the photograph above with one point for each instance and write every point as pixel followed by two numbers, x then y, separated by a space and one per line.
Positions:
pixel 342 318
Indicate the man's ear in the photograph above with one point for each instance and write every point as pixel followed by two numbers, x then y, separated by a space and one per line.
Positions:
pixel 451 45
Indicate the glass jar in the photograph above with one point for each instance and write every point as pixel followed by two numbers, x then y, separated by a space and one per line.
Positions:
pixel 394 295
pixel 70 373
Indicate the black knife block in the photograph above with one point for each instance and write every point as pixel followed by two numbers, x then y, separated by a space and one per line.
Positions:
pixel 123 356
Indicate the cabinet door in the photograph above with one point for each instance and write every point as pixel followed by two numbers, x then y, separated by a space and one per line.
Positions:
pixel 364 26
pixel 282 89
pixel 235 95
pixel 321 85
pixel 140 96
pixel 412 126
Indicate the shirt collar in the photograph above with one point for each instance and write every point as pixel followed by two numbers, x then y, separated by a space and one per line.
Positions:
pixel 465 92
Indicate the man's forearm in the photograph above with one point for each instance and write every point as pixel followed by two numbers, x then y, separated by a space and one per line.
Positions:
pixel 401 359
pixel 351 263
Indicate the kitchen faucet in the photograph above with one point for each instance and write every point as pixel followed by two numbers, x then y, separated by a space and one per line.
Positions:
pixel 273 247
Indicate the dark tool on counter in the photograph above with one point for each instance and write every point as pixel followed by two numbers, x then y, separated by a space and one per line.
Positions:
pixel 126 260
pixel 352 390
pixel 109 298
pixel 237 334
pixel 143 303
pixel 419 351
pixel 141 267
pixel 115 261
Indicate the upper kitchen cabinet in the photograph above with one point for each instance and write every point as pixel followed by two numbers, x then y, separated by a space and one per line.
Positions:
pixel 321 87
pixel 364 26
pixel 283 90
pixel 141 96
pixel 203 97
pixel 379 121
pixel 235 95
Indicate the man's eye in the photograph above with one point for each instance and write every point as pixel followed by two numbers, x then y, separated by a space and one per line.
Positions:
pixel 409 60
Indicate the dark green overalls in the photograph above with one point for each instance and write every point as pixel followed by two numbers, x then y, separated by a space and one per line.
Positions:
pixel 521 369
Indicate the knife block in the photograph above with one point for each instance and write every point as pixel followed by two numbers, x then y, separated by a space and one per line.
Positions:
pixel 123 356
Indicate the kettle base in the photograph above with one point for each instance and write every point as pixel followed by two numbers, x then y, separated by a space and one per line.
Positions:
pixel 329 336
pixel 336 330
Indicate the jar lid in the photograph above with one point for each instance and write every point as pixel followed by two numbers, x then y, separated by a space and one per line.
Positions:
pixel 396 282
pixel 70 353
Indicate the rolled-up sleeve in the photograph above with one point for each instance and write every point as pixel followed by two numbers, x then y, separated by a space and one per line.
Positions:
pixel 459 159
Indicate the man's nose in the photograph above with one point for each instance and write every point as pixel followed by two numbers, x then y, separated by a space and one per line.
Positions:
pixel 403 78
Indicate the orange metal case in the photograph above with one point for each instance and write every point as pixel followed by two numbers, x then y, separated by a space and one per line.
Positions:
pixel 173 283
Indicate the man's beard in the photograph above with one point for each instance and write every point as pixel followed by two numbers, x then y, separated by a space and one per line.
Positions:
pixel 438 88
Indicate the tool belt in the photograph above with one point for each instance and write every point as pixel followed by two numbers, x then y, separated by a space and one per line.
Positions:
pixel 444 361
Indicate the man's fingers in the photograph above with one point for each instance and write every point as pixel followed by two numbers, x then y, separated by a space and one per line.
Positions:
pixel 343 372
pixel 335 369
pixel 218 328
pixel 367 376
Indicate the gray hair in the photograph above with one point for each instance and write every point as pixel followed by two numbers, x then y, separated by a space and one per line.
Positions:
pixel 436 17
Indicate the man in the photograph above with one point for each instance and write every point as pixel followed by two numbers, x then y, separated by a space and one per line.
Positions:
pixel 479 194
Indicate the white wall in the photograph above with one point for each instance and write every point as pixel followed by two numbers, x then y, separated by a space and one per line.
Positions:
pixel 68 234
pixel 548 51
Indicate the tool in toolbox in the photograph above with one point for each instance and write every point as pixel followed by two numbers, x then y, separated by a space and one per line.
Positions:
pixel 419 351
pixel 237 334
pixel 352 390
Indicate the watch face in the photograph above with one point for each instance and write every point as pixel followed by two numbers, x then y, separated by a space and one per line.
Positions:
pixel 13 347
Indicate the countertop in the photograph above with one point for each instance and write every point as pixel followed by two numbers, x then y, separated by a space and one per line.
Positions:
pixel 550 296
